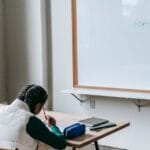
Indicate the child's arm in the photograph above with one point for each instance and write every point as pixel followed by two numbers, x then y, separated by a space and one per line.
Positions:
pixel 51 122
pixel 37 129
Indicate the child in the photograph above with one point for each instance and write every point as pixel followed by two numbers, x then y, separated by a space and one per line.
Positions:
pixel 19 126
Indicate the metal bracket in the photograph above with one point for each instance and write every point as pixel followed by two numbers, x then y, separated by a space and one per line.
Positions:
pixel 78 98
pixel 139 104
pixel 90 98
pixel 92 102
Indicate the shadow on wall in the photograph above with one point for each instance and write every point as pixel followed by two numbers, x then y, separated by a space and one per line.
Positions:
pixel 2 55
pixel 19 45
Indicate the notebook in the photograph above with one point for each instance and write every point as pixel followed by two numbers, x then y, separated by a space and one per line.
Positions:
pixel 103 126
pixel 93 121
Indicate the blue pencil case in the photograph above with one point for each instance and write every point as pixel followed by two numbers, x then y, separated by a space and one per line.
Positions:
pixel 74 130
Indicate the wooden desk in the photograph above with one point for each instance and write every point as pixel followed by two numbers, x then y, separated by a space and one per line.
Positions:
pixel 64 120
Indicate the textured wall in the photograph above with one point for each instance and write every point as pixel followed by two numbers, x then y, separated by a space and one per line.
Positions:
pixel 2 54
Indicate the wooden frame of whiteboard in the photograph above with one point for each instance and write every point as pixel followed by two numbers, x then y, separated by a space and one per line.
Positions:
pixel 75 59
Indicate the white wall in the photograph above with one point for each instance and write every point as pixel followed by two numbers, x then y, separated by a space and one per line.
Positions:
pixel 135 137
pixel 2 54
pixel 23 44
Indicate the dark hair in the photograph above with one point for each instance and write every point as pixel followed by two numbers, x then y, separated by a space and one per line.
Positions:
pixel 32 95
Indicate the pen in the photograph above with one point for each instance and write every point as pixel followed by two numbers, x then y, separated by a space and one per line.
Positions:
pixel 45 114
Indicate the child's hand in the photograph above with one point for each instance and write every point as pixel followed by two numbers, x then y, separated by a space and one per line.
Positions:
pixel 50 121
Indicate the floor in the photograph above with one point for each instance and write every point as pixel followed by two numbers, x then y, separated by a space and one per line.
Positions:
pixel 101 147
pixel 42 146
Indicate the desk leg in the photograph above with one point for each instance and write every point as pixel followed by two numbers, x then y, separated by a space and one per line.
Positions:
pixel 73 148
pixel 96 145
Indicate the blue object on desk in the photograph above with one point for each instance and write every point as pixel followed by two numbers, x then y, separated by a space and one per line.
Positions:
pixel 74 130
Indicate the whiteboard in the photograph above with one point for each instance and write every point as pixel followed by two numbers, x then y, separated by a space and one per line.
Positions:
pixel 111 44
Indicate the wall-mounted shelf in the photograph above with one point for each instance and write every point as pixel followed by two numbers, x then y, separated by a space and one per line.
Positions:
pixel 137 97
pixel 109 93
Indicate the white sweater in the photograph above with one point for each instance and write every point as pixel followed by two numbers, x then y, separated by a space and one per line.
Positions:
pixel 13 121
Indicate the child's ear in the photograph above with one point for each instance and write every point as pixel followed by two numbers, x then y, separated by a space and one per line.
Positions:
pixel 38 108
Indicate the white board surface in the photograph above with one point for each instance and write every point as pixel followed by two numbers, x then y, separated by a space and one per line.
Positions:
pixel 113 43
